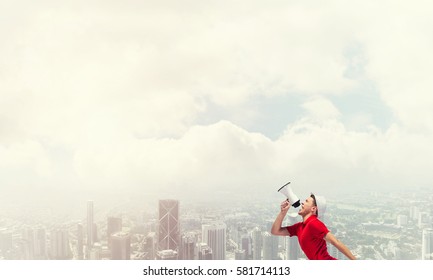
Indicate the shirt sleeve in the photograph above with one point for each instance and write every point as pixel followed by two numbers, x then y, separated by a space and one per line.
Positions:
pixel 293 229
pixel 320 230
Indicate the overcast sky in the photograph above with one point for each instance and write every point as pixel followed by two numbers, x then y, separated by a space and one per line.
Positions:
pixel 205 96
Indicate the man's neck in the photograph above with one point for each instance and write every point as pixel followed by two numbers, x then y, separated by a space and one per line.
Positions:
pixel 304 218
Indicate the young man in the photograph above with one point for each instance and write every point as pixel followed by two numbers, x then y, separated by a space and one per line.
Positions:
pixel 311 232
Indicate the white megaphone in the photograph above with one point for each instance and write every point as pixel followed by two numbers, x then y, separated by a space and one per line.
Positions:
pixel 291 197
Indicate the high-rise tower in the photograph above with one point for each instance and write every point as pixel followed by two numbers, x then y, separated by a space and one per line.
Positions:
pixel 427 244
pixel 270 246
pixel 214 235
pixel 59 241
pixel 90 239
pixel 188 246
pixel 114 224
pixel 80 241
pixel 257 243
pixel 168 233
pixel 292 246
pixel 120 246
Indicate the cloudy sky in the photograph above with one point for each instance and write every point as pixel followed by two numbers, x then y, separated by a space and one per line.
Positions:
pixel 227 96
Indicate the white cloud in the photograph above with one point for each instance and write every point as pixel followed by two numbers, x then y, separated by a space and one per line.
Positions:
pixel 398 44
pixel 220 156
pixel 121 88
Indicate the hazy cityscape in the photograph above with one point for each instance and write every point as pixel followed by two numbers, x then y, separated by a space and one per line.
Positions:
pixel 378 226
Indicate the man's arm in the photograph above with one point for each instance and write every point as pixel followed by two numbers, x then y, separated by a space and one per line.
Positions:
pixel 277 228
pixel 329 237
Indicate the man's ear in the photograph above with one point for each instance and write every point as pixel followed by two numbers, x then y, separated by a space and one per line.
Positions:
pixel 314 209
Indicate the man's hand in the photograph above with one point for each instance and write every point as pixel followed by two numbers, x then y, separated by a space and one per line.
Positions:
pixel 285 205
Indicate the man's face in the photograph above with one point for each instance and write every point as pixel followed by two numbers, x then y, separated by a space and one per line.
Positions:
pixel 307 207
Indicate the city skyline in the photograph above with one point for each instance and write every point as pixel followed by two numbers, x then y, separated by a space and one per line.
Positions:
pixel 383 229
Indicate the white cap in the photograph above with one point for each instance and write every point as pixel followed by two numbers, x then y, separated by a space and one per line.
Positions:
pixel 321 206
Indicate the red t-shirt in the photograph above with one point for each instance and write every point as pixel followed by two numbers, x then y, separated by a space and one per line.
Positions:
pixel 311 235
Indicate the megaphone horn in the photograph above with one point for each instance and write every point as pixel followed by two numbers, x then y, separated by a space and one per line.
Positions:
pixel 291 197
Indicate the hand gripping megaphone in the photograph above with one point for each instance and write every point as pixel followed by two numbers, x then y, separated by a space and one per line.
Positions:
pixel 291 197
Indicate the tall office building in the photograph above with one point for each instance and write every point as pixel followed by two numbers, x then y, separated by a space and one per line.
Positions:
pixel 257 243
pixel 427 244
pixel 246 245
pixel 233 233
pixel 114 224
pixel 292 248
pixel 34 243
pixel 95 233
pixel 214 235
pixel 59 241
pixel 270 246
pixel 168 232
pixel 121 246
pixel 188 247
pixel 292 244
pixel 90 227
pixel 150 246
pixel 80 241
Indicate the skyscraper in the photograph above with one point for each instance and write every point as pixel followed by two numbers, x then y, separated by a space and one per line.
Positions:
pixel 59 240
pixel 270 246
pixel 150 246
pixel 246 245
pixel 427 244
pixel 80 241
pixel 292 246
pixel 121 246
pixel 214 235
pixel 114 224
pixel 168 233
pixel 188 250
pixel 257 243
pixel 90 233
